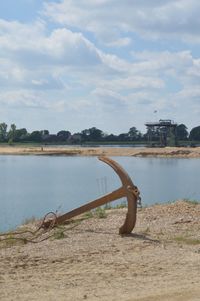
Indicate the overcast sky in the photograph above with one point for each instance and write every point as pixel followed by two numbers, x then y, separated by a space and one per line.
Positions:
pixel 112 64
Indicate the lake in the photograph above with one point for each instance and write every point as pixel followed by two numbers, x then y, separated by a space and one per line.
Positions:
pixel 34 185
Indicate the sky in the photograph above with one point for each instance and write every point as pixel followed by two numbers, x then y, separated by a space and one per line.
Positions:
pixel 110 64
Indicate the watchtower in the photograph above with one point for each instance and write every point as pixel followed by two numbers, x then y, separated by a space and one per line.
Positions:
pixel 162 133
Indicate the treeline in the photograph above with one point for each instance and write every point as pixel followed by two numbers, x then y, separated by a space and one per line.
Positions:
pixel 13 134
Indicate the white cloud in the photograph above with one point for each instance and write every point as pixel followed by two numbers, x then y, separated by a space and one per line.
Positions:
pixel 122 42
pixel 31 45
pixel 111 19
pixel 132 82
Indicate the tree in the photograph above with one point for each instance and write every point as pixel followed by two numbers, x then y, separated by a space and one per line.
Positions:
pixel 182 133
pixel 3 132
pixel 92 134
pixel 44 132
pixel 44 135
pixel 195 134
pixel 21 135
pixel 134 134
pixel 122 137
pixel 12 133
pixel 111 138
pixel 35 136
pixel 85 135
pixel 63 136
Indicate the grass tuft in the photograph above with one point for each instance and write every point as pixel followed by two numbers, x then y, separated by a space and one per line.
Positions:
pixel 29 220
pixel 100 212
pixel 59 233
pixel 192 202
pixel 187 241
pixel 88 215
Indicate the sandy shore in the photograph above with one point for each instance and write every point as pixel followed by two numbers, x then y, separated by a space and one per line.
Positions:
pixel 159 261
pixel 179 152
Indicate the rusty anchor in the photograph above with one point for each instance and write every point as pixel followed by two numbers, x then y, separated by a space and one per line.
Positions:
pixel 128 190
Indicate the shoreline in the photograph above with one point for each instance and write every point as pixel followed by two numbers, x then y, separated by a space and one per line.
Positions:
pixel 176 152
pixel 90 260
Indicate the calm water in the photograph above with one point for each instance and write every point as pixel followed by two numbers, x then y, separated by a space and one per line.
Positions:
pixel 33 185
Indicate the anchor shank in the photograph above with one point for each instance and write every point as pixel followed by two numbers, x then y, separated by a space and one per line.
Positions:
pixel 116 194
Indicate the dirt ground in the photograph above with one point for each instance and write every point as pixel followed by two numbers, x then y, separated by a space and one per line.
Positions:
pixel 89 260
pixel 180 152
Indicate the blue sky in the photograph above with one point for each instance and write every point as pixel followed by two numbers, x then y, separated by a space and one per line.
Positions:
pixel 75 64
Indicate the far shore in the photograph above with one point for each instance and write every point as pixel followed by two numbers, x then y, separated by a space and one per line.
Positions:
pixel 177 152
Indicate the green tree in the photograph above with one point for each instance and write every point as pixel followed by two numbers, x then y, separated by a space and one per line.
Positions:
pixel 63 136
pixel 3 132
pixel 12 133
pixel 21 135
pixel 134 134
pixel 111 138
pixel 85 134
pixel 182 133
pixel 44 132
pixel 195 134
pixel 92 134
pixel 35 136
pixel 122 137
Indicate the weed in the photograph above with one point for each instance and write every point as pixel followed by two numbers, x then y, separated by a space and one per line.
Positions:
pixel 188 241
pixel 108 206
pixel 59 233
pixel 29 220
pixel 100 212
pixel 192 202
pixel 121 205
pixel 88 214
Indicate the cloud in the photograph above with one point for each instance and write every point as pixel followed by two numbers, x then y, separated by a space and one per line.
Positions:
pixel 22 98
pixel 112 19
pixel 121 42
pixel 31 45
pixel 134 82
pixel 31 58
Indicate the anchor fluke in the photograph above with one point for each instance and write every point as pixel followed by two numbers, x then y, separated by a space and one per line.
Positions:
pixel 131 192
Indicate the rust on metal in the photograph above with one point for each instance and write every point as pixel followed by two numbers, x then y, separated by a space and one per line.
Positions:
pixel 128 190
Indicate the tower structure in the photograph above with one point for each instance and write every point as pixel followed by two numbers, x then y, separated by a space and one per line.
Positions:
pixel 162 133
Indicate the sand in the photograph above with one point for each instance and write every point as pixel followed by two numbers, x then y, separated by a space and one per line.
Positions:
pixel 160 260
pixel 179 152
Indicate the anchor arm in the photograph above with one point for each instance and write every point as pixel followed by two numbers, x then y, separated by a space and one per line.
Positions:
pixel 116 194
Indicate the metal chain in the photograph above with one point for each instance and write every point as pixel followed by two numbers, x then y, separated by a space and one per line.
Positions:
pixel 17 235
pixel 136 194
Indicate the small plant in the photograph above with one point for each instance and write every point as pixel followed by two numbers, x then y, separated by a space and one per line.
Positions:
pixel 59 233
pixel 29 220
pixel 100 212
pixel 192 202
pixel 108 206
pixel 188 241
pixel 121 205
pixel 88 214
